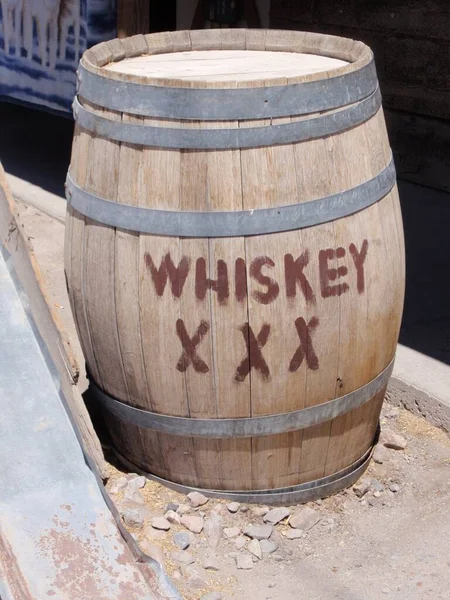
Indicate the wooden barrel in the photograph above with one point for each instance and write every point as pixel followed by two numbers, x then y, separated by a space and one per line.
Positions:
pixel 234 256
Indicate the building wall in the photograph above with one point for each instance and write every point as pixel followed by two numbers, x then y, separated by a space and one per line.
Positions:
pixel 411 43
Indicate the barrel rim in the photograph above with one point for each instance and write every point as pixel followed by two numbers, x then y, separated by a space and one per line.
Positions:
pixel 356 53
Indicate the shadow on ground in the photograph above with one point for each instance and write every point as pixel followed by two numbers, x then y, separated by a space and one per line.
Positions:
pixel 35 146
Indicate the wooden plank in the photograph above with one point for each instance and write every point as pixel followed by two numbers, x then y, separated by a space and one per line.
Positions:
pixel 133 16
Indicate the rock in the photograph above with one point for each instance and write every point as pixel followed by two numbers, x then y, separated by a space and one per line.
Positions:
pixel 231 532
pixel 176 575
pixel 380 454
pixel 172 506
pixel 136 483
pixel 278 557
pixel 183 539
pixel 197 499
pixel 137 497
pixel 304 519
pixel 118 485
pixel 276 515
pixel 240 542
pixel 394 487
pixel 210 563
pixel 254 548
pixel 154 534
pixel 294 534
pixel 154 551
pixel 272 584
pixel 259 532
pixel 182 557
pixel 212 596
pixel 244 508
pixel 267 546
pixel 173 517
pixel 244 561
pixel 233 507
pixel 376 494
pixel 193 523
pixel 213 530
pixel 160 523
pixel 362 487
pixel 194 578
pixel 134 515
pixel 394 440
pixel 183 509
pixel 259 511
pixel 376 486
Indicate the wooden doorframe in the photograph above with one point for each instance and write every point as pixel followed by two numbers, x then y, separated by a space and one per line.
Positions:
pixel 133 16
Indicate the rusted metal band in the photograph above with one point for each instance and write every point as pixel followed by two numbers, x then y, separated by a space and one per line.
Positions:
pixel 305 492
pixel 325 124
pixel 231 223
pixel 248 426
pixel 224 104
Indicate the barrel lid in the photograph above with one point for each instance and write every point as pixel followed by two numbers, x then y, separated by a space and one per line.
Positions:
pixel 225 65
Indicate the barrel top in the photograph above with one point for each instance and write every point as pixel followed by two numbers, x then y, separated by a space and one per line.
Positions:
pixel 225 65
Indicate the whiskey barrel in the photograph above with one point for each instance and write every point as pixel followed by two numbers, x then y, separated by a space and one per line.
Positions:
pixel 234 257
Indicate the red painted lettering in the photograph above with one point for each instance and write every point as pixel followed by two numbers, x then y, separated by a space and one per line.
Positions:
pixel 189 346
pixel 358 259
pixel 293 273
pixel 240 280
pixel 176 275
pixel 327 275
pixel 273 289
pixel 219 285
pixel 305 348
pixel 254 358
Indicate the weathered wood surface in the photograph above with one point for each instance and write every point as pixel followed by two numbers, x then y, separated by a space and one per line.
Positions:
pixel 46 320
pixel 237 327
pixel 133 17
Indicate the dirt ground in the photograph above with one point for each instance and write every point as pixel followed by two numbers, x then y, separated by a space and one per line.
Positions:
pixel 386 544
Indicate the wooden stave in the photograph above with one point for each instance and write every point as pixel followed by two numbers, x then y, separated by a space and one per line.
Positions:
pixel 265 447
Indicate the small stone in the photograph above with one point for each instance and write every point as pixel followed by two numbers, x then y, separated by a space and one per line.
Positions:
pixel 240 542
pixel 272 584
pixel 278 557
pixel 244 561
pixel 394 487
pixel 118 485
pixel 193 523
pixel 233 507
pixel 371 502
pixel 183 539
pixel 385 591
pixel 362 487
pixel 197 499
pixel 173 517
pixel 267 546
pixel 183 509
pixel 380 454
pixel 304 519
pixel 136 483
pixel 194 578
pixel 259 532
pixel 176 575
pixel 231 532
pixel 259 511
pixel 172 506
pixel 210 563
pixel 134 515
pixel 376 486
pixel 376 494
pixel 276 515
pixel 160 523
pixel 212 596
pixel 213 530
pixel 182 557
pixel 363 502
pixel 153 550
pixel 254 548
pixel 294 534
pixel 154 534
pixel 244 508
pixel 394 440
pixel 136 497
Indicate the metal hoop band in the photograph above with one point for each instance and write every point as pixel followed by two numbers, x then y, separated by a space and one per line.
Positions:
pixel 223 139
pixel 231 223
pixel 227 104
pixel 305 492
pixel 249 426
